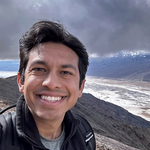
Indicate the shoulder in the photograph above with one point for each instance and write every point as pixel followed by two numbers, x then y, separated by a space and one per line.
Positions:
pixel 87 132
pixel 7 130
pixel 7 121
pixel 7 117
pixel 82 119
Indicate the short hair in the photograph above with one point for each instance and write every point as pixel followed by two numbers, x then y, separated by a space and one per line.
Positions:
pixel 49 31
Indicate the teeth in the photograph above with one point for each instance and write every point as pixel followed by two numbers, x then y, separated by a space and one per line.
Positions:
pixel 51 99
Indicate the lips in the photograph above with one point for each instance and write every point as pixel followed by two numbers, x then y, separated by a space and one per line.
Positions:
pixel 51 98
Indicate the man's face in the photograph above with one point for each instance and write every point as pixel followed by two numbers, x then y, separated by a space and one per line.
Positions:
pixel 51 85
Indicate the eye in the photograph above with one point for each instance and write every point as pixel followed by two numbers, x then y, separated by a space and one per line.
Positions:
pixel 39 69
pixel 66 73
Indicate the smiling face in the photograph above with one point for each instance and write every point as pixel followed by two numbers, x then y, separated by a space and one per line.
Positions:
pixel 51 85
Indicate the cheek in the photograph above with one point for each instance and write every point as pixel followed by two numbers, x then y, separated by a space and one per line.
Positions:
pixel 73 87
pixel 31 81
pixel 30 84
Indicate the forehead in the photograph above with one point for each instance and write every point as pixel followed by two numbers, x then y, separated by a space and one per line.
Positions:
pixel 54 52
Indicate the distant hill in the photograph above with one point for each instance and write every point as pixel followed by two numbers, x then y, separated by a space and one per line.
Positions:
pixel 9 89
pixel 107 119
pixel 9 65
pixel 122 66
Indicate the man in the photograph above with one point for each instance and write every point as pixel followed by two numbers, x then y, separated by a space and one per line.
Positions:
pixel 53 64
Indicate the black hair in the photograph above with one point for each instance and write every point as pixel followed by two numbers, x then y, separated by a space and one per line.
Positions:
pixel 49 31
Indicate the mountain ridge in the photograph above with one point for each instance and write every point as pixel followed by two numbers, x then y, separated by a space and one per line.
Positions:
pixel 131 67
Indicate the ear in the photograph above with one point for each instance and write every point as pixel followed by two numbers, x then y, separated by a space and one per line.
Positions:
pixel 81 88
pixel 20 83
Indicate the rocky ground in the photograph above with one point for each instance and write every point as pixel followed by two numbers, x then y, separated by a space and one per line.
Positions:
pixel 115 128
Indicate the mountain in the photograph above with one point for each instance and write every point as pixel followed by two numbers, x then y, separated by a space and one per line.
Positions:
pixel 121 66
pixel 9 90
pixel 112 124
pixel 9 65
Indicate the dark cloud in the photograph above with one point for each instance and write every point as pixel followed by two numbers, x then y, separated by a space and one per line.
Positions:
pixel 104 26
pixel 123 26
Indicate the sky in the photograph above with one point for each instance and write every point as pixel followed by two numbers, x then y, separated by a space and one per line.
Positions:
pixel 105 27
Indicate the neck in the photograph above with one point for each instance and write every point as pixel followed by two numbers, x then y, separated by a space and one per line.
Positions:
pixel 49 129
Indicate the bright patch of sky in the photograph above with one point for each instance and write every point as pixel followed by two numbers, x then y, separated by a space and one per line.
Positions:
pixel 125 53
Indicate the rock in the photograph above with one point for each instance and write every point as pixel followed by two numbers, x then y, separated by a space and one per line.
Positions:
pixel 105 143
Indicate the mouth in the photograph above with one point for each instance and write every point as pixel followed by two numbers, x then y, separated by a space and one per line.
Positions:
pixel 51 98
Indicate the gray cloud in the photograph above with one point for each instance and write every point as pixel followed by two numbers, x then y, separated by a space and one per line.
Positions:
pixel 104 26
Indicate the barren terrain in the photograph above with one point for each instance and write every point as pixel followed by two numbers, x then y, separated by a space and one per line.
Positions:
pixel 133 95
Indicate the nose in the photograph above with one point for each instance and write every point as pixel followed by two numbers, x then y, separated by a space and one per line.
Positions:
pixel 52 81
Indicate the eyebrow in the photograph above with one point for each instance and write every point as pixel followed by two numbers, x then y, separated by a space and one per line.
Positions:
pixel 38 62
pixel 62 66
pixel 69 66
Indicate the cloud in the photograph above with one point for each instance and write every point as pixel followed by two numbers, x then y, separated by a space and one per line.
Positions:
pixel 119 25
pixel 105 27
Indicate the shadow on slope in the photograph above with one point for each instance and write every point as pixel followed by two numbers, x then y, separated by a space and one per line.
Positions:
pixel 9 89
